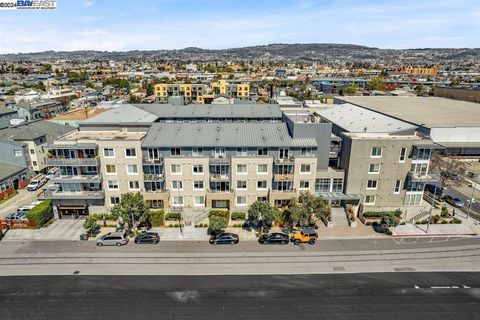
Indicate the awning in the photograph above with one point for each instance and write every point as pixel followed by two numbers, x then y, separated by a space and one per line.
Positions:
pixel 72 207
pixel 338 196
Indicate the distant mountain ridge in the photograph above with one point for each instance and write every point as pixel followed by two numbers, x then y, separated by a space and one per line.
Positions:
pixel 320 52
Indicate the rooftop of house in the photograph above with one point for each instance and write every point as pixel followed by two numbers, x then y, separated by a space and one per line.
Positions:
pixel 89 137
pixel 9 169
pixel 33 130
pixel 125 113
pixel 223 135
pixel 427 112
pixel 80 114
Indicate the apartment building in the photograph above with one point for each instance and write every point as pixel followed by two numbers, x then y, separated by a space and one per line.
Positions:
pixel 385 160
pixel 201 92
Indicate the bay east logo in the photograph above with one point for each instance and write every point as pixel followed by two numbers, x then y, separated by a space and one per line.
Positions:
pixel 36 4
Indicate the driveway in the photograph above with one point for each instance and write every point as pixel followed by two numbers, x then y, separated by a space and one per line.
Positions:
pixel 23 197
pixel 64 229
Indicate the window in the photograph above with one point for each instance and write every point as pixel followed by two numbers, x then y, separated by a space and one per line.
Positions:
pixel 369 199
pixel 241 184
pixel 413 199
pixel 283 153
pixel 242 168
pixel 198 185
pixel 376 152
pixel 398 185
pixel 337 185
pixel 175 151
pixel 419 168
pixel 372 184
pixel 242 152
pixel 155 204
pixel 421 154
pixel 305 168
pixel 178 201
pixel 374 168
pixel 130 153
pixel 262 151
pixel 112 185
pixel 220 153
pixel 133 185
pixel 262 168
pixel 197 168
pixel 403 154
pixel 177 185
pixel 111 169
pixel 108 153
pixel 307 151
pixel 304 184
pixel 17 153
pixel 199 201
pixel 322 185
pixel 241 201
pixel 262 184
pixel 34 163
pixel 264 199
pixel 114 200
pixel 132 169
pixel 176 169
pixel 197 152
pixel 32 151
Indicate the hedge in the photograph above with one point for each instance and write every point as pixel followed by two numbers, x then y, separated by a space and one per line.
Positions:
pixel 379 214
pixel 174 215
pixel 219 213
pixel 157 218
pixel 100 216
pixel 236 215
pixel 41 213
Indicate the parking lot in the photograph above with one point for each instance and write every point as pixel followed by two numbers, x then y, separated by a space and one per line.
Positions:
pixel 66 229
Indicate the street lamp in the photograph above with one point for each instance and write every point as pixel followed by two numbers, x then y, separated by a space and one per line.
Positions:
pixel 472 199
pixel 431 208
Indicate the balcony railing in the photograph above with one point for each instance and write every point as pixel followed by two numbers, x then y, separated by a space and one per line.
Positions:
pixel 152 177
pixel 284 191
pixel 156 191
pixel 152 161
pixel 219 177
pixel 77 178
pixel 220 191
pixel 421 177
pixel 72 162
pixel 280 176
pixel 290 159
pixel 83 195
pixel 222 160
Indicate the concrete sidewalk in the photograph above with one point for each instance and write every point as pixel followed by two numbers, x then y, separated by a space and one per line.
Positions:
pixel 409 229
pixel 69 230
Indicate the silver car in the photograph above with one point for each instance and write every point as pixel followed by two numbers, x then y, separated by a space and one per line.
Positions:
pixel 113 239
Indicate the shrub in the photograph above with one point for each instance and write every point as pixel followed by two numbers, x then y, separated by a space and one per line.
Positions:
pixel 174 215
pixel 219 213
pixel 435 219
pixel 378 214
pixel 237 215
pixel 41 213
pixel 444 212
pixel 156 218
pixel 217 223
pixel 368 223
pixel 456 221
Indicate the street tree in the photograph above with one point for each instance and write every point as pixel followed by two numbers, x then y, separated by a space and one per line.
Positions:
pixel 132 206
pixel 217 224
pixel 451 171
pixel 351 89
pixel 262 213
pixel 377 83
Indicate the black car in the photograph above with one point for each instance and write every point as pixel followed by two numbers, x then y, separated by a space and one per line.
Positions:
pixel 148 237
pixel 224 238
pixel 273 238
pixel 380 228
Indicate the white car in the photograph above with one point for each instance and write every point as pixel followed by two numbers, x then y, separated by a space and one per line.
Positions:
pixel 35 184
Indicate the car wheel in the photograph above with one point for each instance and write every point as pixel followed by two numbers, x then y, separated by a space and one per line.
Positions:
pixel 118 244
pixel 311 242
pixel 232 242
pixel 284 242
pixel 296 242
pixel 99 244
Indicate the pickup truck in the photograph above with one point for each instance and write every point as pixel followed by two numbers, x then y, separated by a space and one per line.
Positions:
pixel 36 183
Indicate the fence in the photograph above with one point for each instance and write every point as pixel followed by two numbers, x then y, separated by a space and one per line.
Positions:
pixel 17 224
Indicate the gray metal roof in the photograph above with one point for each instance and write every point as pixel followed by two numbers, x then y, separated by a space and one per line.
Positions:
pixel 247 111
pixel 4 110
pixel 356 119
pixel 33 130
pixel 125 113
pixel 250 134
pixel 9 169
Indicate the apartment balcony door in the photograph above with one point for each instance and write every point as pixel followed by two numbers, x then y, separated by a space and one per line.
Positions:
pixel 283 153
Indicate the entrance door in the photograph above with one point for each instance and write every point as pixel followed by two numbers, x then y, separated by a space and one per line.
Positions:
pixel 221 204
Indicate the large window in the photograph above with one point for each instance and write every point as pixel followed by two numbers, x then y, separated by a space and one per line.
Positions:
pixel 241 201
pixel 108 153
pixel 376 152
pixel 133 185
pixel 413 199
pixel 220 153
pixel 305 168
pixel 421 154
pixel 177 185
pixel 177 200
pixel 112 185
pixel 262 151
pixel 132 169
pixel 241 184
pixel 419 168
pixel 197 169
pixel 374 168
pixel 175 151
pixel 307 151
pixel 176 169
pixel 242 152
pixel 322 185
pixel 262 184
pixel 130 153
pixel 197 152
pixel 241 168
pixel 262 168
pixel 337 185
pixel 199 201
pixel 111 169
pixel 198 185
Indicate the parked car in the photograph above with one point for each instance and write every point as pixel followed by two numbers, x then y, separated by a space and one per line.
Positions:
pixel 454 201
pixel 433 188
pixel 307 235
pixel 113 239
pixel 273 238
pixel 147 237
pixel 25 208
pixel 36 183
pixel 16 216
pixel 224 238
pixel 380 227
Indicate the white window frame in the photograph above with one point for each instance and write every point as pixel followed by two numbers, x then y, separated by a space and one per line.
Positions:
pixel 309 168
pixel 370 203
pixel 243 152
pixel 199 204
pixel 178 181
pixel 303 188
pixel 113 181
pixel 372 188
pixel 130 157
pixel 130 187
pixel 262 172
pixel 404 155
pixel 241 172
pixel 177 204
pixel 105 156
pixel 374 164
pixel 197 152
pixel 241 204
pixel 131 173
pixel 111 203
pixel 246 185
pixel 111 173
pixel 176 166
pixel 203 185
pixel 197 165
pixel 266 184
pixel 399 182
pixel 376 156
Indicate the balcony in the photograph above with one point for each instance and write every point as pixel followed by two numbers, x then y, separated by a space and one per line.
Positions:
pixel 292 190
pixel 420 177
pixel 281 177
pixel 222 160
pixel 220 191
pixel 152 161
pixel 153 177
pixel 65 195
pixel 55 162
pixel 97 178
pixel 219 177
pixel 284 160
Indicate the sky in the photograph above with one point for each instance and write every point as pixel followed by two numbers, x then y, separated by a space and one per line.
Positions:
pixel 122 25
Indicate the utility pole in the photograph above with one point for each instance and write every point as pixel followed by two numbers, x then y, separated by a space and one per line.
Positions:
pixel 472 198
pixel 431 208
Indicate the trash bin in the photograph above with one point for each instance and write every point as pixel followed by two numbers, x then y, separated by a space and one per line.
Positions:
pixel 84 237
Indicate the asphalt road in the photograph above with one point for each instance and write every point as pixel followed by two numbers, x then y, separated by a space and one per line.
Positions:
pixel 337 296
pixel 464 192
